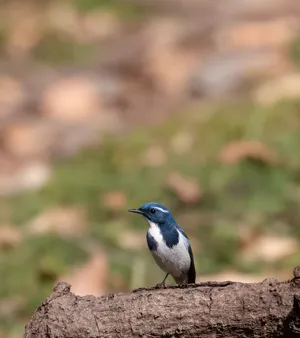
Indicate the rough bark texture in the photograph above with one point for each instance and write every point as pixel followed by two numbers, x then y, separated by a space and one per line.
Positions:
pixel 228 309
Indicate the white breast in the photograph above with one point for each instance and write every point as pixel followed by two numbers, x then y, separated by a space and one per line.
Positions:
pixel 175 260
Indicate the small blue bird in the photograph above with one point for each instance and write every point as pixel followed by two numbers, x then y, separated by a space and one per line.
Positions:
pixel 168 243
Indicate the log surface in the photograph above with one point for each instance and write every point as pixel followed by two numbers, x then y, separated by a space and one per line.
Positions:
pixel 228 309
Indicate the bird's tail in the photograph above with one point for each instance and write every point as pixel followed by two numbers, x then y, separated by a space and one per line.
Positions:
pixel 192 274
pixel 192 270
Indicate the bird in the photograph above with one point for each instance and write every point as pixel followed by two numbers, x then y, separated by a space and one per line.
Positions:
pixel 168 244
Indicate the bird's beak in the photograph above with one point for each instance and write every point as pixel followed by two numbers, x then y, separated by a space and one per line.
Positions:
pixel 136 211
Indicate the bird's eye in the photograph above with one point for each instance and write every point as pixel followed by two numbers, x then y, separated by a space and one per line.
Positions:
pixel 152 211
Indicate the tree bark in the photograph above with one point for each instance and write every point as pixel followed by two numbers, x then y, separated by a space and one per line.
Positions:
pixel 227 309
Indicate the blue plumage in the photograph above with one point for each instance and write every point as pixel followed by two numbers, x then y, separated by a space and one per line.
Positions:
pixel 170 236
pixel 168 243
pixel 152 244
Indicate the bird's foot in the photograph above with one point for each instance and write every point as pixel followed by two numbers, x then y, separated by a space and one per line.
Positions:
pixel 160 286
pixel 183 285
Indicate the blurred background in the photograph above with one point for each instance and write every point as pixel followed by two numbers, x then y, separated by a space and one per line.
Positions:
pixel 108 104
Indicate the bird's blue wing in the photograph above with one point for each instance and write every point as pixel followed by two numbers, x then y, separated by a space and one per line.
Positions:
pixel 152 244
pixel 192 271
pixel 182 231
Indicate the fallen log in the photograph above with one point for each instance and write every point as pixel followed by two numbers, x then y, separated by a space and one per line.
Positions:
pixel 228 309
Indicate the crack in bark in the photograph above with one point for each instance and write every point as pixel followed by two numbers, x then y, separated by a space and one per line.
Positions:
pixel 210 302
pixel 243 308
pixel 187 286
pixel 97 325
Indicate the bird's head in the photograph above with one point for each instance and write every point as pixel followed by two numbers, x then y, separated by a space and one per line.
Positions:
pixel 155 213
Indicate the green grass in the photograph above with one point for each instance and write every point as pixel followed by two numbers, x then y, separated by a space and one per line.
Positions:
pixel 125 10
pixel 57 49
pixel 295 50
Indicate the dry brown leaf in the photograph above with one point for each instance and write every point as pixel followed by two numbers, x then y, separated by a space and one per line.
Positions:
pixel 285 87
pixel 26 32
pixel 182 143
pixel 31 175
pixel 115 200
pixel 12 93
pixel 270 248
pixel 186 188
pixel 90 278
pixel 99 25
pixel 69 221
pixel 248 235
pixel 168 65
pixel 9 236
pixel 237 151
pixel 154 156
pixel 28 139
pixel 258 34
pixel 132 240
pixel 72 99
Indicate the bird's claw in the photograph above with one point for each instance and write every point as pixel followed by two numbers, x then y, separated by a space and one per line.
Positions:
pixel 184 285
pixel 160 286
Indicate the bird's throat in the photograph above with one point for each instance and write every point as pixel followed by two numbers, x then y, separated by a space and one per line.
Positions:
pixel 152 225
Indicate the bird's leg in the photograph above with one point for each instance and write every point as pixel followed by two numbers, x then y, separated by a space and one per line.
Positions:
pixel 162 284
